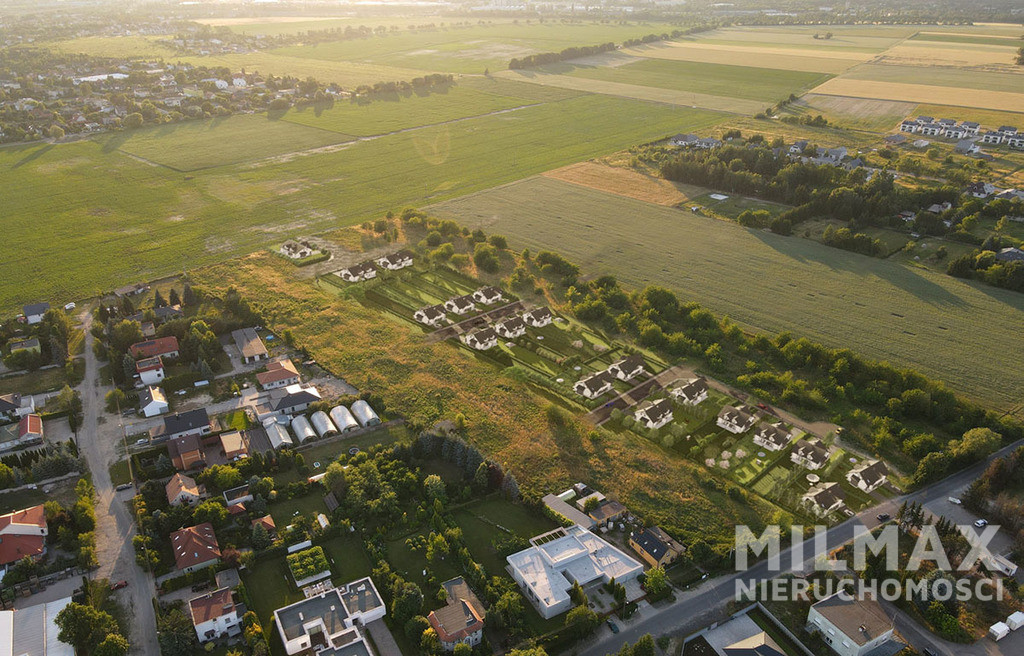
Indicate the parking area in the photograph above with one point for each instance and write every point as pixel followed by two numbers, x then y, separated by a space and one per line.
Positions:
pixel 1001 544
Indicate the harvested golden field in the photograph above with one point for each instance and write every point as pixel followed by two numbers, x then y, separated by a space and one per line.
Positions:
pixel 985 117
pixel 756 57
pixel 862 113
pixel 626 182
pixel 930 53
pixel 786 37
pixel 923 93
pixel 635 91
pixel 425 382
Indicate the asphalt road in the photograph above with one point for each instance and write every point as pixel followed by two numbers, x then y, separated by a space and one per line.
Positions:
pixel 115 526
pixel 696 608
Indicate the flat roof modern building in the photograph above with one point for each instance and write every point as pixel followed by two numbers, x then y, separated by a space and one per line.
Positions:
pixel 330 623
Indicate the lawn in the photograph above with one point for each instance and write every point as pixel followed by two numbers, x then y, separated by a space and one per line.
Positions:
pixel 285 510
pixel 763 84
pixel 882 309
pixel 484 521
pixel 193 145
pixel 734 205
pixel 270 587
pixel 143 218
pixel 347 558
pixel 37 382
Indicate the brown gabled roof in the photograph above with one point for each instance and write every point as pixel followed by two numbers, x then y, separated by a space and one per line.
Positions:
pixel 268 523
pixel 277 371
pixel 194 545
pixel 181 483
pixel 463 616
pixel 211 605
pixel 154 347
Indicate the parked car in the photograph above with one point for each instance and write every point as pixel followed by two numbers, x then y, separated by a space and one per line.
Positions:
pixel 69 306
pixel 613 627
pixel 883 517
pixel 928 652
pixel 981 523
pixel 119 585
pixel 954 501
pixel 123 486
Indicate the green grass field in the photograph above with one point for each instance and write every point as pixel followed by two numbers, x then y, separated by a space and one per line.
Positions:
pixel 470 97
pixel 960 78
pixel 109 219
pixel 744 82
pixel 193 145
pixel 882 309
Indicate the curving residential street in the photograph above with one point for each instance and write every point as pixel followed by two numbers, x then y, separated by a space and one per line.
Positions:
pixel 114 524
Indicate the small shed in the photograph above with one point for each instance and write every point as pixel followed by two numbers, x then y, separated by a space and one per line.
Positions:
pixel 322 424
pixel 302 429
pixel 277 433
pixel 343 419
pixel 365 414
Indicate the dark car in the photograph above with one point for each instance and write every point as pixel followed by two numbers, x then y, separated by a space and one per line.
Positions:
pixel 883 517
pixel 928 652
pixel 119 585
pixel 123 486
pixel 199 587
pixel 613 627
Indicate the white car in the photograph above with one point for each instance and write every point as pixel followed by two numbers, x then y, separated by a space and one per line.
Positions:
pixel 69 306
pixel 954 501
pixel 981 523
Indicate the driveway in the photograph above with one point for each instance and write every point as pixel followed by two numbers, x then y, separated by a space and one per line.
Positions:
pixel 115 527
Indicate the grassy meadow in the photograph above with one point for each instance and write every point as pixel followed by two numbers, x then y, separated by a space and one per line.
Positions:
pixel 882 309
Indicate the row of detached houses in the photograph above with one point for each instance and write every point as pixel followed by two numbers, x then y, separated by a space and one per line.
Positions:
pixel 368 270
pixel 950 129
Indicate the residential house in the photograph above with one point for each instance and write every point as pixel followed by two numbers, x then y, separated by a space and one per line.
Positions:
pixel 772 437
pixel 233 445
pixel 869 476
pixel 280 373
pixel 461 620
pixel 22 533
pixel 194 422
pixel 152 401
pixel 161 314
pixel 34 312
pixel 538 317
pixel 708 143
pixel 249 345
pixel 909 126
pixel 289 400
pixel 1010 254
pixel 594 385
pixel 164 347
pixel 432 315
pixel 654 414
pixel 296 250
pixel 684 140
pixel 358 272
pixel 735 420
pixel 824 498
pixel 215 615
pixel 546 571
pixel 396 261
pixel 798 147
pixel 132 290
pixel 511 328
pixel 692 392
pixel 1008 130
pixel 655 546
pixel 971 128
pixel 980 189
pixel 930 129
pixel 939 208
pixel 150 370
pixel 31 345
pixel 30 429
pixel 267 522
pixel 186 452
pixel 810 454
pixel 488 295
pixel 1016 141
pixel 460 304
pixel 922 120
pixel 992 138
pixel 628 368
pixel 14 406
pixel 481 340
pixel 850 625
pixel 331 621
pixel 955 132
pixel 606 511
pixel 195 547
pixel 238 496
pixel 967 147
pixel 183 490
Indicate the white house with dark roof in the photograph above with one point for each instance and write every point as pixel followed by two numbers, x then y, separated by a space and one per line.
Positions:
pixel 684 140
pixel 396 261
pixel 538 317
pixel 735 420
pixel 692 392
pixel 593 385
pixel 358 272
pixel 992 137
pixel 909 126
pixel 1015 141
pixel 1010 254
pixel 810 454
pixel 868 476
pixel 432 315
pixel 481 340
pixel 488 295
pixel 655 414
pixel 460 304
pixel 971 128
pixel 772 437
pixel 152 401
pixel 511 328
pixel 628 368
pixel 824 499
pixel 850 625
pixel 34 312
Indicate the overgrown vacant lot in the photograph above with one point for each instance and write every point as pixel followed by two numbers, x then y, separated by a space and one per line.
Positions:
pixel 429 381
pixel 110 219
pixel 715 79
pixel 964 334
pixel 192 145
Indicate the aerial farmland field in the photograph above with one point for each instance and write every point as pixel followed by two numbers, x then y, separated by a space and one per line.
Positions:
pixel 883 309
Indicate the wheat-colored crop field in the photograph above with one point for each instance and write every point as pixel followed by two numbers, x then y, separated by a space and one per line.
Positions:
pixel 882 309
pixel 922 93
pixel 735 55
